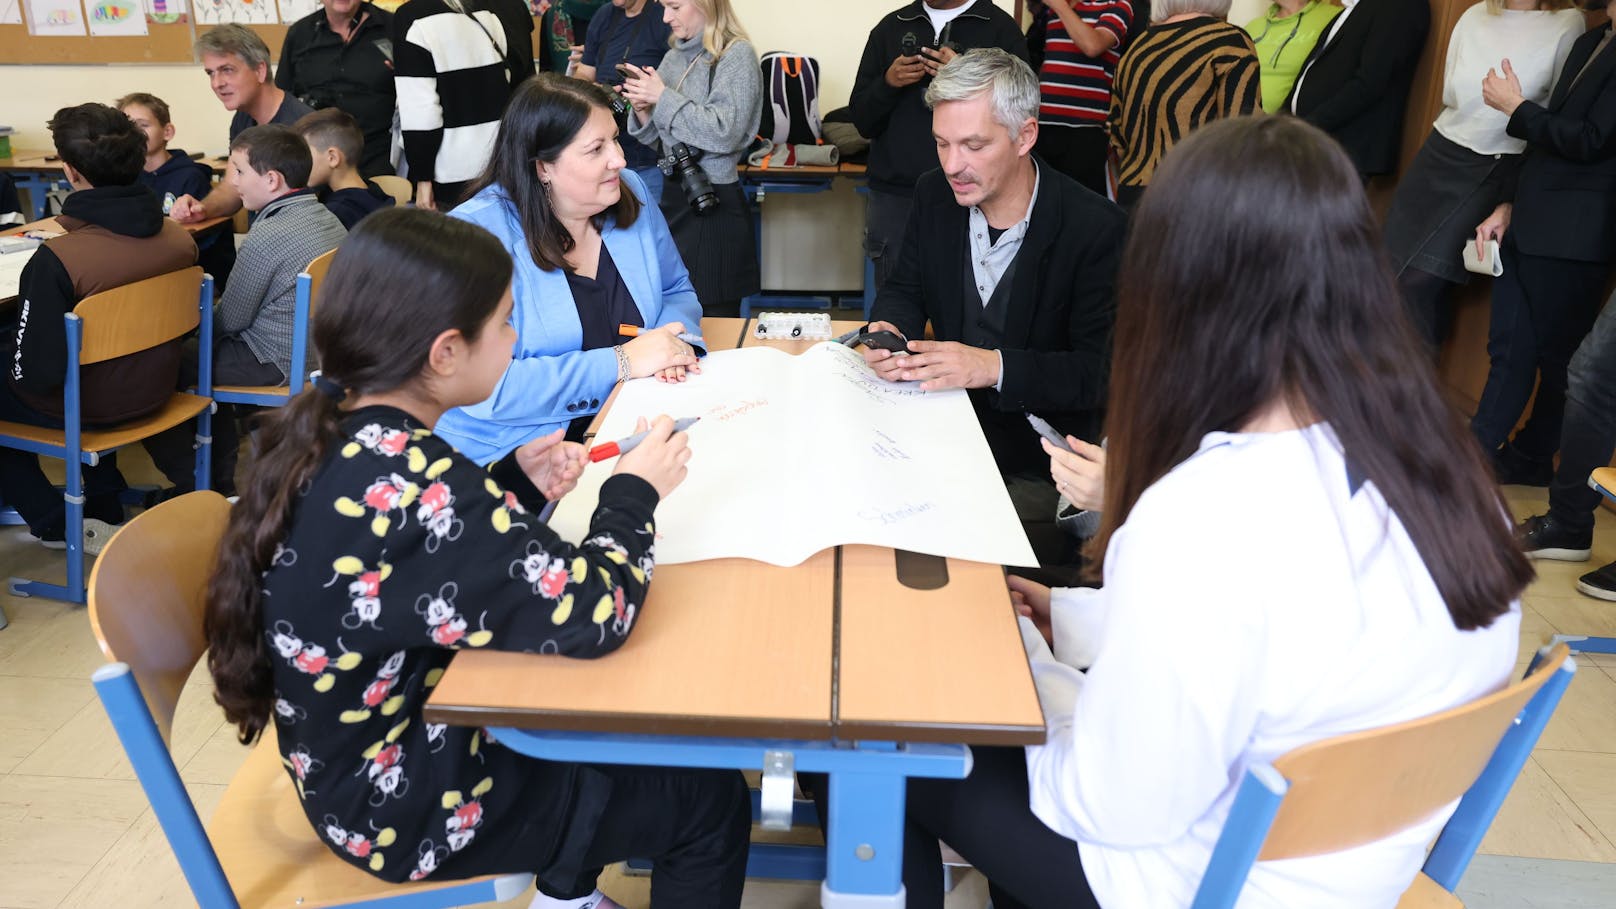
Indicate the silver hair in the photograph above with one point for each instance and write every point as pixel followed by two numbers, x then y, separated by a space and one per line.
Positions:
pixel 1013 83
pixel 1166 9
pixel 237 39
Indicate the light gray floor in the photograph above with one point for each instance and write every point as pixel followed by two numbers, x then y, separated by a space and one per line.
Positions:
pixel 1506 882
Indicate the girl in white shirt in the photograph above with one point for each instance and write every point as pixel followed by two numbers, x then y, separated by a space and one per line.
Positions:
pixel 1301 540
pixel 1458 177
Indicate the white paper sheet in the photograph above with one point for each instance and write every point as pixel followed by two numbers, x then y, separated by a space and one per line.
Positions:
pixel 293 10
pixel 247 12
pixel 795 454
pixel 10 12
pixel 166 12
pixel 115 17
pixel 57 18
pixel 11 272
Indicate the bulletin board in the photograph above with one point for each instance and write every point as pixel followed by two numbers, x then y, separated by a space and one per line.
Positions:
pixel 169 43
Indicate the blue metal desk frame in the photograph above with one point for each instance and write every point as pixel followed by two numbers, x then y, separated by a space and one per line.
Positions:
pixel 758 185
pixel 37 181
pixel 864 832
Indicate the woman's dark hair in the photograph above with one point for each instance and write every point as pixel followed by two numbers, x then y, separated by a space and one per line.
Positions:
pixel 1253 274
pixel 544 116
pixel 403 277
pixel 101 143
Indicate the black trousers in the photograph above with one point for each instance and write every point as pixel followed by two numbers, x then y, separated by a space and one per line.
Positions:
pixel 1588 437
pixel 1078 152
pixel 886 218
pixel 174 451
pixel 1425 299
pixel 24 486
pixel 694 825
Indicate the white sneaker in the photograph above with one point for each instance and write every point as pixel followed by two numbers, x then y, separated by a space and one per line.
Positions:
pixel 97 534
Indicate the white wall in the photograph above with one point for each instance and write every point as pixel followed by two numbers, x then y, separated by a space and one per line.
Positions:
pixel 802 250
pixel 1243 11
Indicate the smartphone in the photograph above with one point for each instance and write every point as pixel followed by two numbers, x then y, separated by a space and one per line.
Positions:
pixel 1048 432
pixel 624 71
pixel 911 45
pixel 881 340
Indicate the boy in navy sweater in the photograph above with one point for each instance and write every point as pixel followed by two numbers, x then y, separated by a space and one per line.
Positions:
pixel 335 145
pixel 172 173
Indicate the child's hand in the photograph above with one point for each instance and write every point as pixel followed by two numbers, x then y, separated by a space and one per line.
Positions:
pixel 660 458
pixel 1031 599
pixel 551 465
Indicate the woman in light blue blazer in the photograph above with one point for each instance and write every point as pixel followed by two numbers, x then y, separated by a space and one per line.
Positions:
pixel 590 255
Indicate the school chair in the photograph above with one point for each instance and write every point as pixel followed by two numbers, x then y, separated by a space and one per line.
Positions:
pixel 308 284
pixel 397 187
pixel 1354 789
pixel 105 326
pixel 147 599
pixel 1602 480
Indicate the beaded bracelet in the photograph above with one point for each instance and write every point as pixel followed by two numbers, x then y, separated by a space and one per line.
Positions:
pixel 622 363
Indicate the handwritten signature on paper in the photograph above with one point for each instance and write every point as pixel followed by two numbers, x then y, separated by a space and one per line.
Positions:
pixel 896 515
pixel 726 412
pixel 851 368
pixel 887 447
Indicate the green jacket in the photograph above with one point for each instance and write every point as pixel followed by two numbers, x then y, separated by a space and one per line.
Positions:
pixel 1283 46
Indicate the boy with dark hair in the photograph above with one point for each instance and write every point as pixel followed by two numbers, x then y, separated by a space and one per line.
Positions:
pixel 253 323
pixel 114 234
pixel 335 143
pixel 171 174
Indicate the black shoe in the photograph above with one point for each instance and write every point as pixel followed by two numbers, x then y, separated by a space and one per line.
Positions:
pixel 1516 469
pixel 1541 537
pixel 1599 583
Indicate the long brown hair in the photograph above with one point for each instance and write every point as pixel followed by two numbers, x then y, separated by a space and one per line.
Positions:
pixel 544 116
pixel 404 276
pixel 1253 274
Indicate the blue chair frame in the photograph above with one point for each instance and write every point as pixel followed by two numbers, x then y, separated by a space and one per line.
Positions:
pixel 71 449
pixel 1587 643
pixel 301 305
pixel 1263 789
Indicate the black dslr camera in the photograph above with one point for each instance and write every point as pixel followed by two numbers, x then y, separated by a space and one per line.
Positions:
pixel 681 162
pixel 618 103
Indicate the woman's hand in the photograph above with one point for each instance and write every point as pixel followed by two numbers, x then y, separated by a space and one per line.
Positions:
pixel 1493 228
pixel 1031 599
pixel 423 196
pixel 1502 93
pixel 551 465
pixel 658 350
pixel 1080 477
pixel 660 458
pixel 643 87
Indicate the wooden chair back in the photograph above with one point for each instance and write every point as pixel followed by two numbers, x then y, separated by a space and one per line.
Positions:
pixel 1358 788
pixel 397 187
pixel 139 316
pixel 147 595
pixel 316 271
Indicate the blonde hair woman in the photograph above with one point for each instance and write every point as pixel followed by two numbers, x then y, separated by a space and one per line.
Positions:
pixel 703 104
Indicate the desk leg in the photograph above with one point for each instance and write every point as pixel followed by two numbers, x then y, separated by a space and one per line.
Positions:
pixel 864 842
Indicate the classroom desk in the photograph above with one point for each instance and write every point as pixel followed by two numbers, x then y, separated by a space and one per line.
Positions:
pixel 51 224
pixel 758 182
pixel 833 666
pixel 11 263
pixel 33 173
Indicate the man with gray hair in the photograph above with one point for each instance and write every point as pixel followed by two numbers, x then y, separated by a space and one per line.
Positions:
pixel 237 63
pixel 1013 264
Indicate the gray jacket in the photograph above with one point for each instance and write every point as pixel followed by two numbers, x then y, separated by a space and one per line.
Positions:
pixel 714 108
pixel 259 301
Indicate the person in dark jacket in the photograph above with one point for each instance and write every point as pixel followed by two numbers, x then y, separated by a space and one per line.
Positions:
pixel 172 174
pixel 342 56
pixel 1355 84
pixel 889 107
pixel 115 234
pixel 1557 227
pixel 335 144
pixel 1023 323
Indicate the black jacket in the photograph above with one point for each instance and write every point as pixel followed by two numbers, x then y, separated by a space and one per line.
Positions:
pixel 1057 337
pixel 1357 87
pixel 896 120
pixel 357 76
pixel 180 175
pixel 352 205
pixel 1565 194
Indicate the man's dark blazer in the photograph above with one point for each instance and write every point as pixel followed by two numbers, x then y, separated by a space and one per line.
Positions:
pixel 1565 194
pixel 1057 338
pixel 1357 87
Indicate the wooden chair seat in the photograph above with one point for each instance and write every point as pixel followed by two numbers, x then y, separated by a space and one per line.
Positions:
pixel 1425 893
pixel 175 410
pixel 283 390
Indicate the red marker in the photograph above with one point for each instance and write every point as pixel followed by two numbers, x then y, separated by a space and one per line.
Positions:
pixel 626 444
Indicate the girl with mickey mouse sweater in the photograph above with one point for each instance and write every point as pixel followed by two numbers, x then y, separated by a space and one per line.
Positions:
pixel 367 551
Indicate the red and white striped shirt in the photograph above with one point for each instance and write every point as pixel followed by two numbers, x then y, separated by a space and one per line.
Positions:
pixel 1075 88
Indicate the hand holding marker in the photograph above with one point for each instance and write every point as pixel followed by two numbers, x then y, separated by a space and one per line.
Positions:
pixel 634 331
pixel 626 444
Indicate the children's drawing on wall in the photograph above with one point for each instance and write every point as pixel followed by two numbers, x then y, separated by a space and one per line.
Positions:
pixel 247 12
pixel 115 17
pixel 164 12
pixel 10 12
pixel 55 18
pixel 293 10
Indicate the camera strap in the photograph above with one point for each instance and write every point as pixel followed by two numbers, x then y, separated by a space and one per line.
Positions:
pixel 504 55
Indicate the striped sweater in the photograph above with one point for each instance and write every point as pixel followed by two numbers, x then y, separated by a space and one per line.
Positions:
pixel 1074 88
pixel 454 62
pixel 1176 78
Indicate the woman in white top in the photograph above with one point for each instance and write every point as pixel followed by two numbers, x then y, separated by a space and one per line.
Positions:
pixel 1458 177
pixel 1282 564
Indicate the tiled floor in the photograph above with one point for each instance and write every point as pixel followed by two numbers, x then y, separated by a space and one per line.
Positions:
pixel 75 830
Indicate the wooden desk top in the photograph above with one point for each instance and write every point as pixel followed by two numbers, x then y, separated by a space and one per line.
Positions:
pixel 29 159
pixel 51 224
pixel 807 170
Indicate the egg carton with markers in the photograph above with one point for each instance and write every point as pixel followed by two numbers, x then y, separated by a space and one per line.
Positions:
pixel 792 326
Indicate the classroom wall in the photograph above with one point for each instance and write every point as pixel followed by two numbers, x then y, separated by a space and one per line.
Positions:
pixel 799 251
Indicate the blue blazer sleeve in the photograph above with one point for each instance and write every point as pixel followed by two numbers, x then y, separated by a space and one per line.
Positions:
pixel 678 295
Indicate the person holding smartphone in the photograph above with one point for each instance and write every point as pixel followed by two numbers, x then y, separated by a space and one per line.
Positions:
pixel 627 32
pixel 889 108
